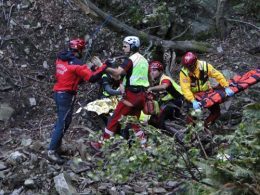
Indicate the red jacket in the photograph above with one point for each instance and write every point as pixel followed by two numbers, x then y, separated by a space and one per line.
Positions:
pixel 69 76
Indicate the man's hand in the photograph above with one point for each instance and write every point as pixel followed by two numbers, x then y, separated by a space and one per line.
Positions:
pixel 196 105
pixel 149 89
pixel 110 62
pixel 122 89
pixel 95 60
pixel 229 92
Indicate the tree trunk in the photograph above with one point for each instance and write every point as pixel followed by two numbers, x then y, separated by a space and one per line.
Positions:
pixel 121 27
pixel 220 19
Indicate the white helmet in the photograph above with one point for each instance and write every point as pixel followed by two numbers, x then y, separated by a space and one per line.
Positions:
pixel 133 41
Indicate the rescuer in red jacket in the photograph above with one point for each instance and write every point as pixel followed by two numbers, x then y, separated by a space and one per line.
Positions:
pixel 70 71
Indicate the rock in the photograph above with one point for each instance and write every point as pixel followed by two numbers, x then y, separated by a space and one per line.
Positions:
pixel 37 146
pixel 127 189
pixel 25 4
pixel 202 28
pixel 78 166
pixel 45 65
pixel 12 23
pixel 228 74
pixel 63 184
pixel 113 191
pixel 227 104
pixel 29 183
pixel 171 184
pixel 32 101
pixel 220 49
pixel 2 175
pixel 33 159
pixel 141 188
pixel 16 158
pixel 27 50
pixel 2 166
pixel 6 112
pixel 26 142
pixel 17 191
pixel 104 186
pixel 82 148
pixel 159 190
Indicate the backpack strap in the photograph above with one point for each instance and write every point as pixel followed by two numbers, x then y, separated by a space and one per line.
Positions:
pixel 184 72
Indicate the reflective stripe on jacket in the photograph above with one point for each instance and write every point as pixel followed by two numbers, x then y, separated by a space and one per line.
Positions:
pixel 196 81
pixel 199 82
pixel 174 84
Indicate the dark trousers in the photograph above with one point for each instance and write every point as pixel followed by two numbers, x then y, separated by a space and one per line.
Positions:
pixel 64 105
pixel 213 116
pixel 170 111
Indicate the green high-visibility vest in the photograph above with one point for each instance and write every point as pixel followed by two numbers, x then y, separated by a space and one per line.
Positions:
pixel 139 75
pixel 174 84
pixel 202 83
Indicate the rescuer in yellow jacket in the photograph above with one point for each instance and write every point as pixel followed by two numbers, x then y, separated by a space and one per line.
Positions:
pixel 194 78
pixel 172 99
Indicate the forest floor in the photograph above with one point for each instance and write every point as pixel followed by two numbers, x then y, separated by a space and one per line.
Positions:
pixel 28 131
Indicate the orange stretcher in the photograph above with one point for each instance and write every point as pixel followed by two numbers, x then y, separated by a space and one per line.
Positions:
pixel 237 84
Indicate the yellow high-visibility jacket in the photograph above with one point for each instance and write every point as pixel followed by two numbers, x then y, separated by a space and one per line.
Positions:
pixel 192 83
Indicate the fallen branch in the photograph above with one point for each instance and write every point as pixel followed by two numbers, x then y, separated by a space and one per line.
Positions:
pixel 240 21
pixel 122 27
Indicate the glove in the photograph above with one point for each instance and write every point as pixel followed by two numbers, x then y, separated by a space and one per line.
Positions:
pixel 95 60
pixel 196 105
pixel 94 68
pixel 229 92
pixel 110 62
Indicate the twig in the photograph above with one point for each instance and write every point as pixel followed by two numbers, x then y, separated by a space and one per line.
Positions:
pixel 204 152
pixel 3 10
pixel 148 28
pixel 123 13
pixel 178 36
pixel 37 80
pixel 10 13
pixel 84 128
pixel 42 127
pixel 243 22
pixel 187 163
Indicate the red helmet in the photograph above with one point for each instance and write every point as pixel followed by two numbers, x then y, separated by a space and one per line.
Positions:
pixel 155 65
pixel 77 44
pixel 189 59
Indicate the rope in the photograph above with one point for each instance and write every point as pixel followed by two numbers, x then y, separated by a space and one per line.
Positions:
pixel 88 52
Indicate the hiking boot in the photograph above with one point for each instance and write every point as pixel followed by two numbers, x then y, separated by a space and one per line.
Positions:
pixel 54 157
pixel 96 145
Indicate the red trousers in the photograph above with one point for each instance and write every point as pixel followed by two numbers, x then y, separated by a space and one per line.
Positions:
pixel 138 101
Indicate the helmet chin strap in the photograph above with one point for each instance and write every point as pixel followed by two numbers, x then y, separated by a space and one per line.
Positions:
pixel 78 54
